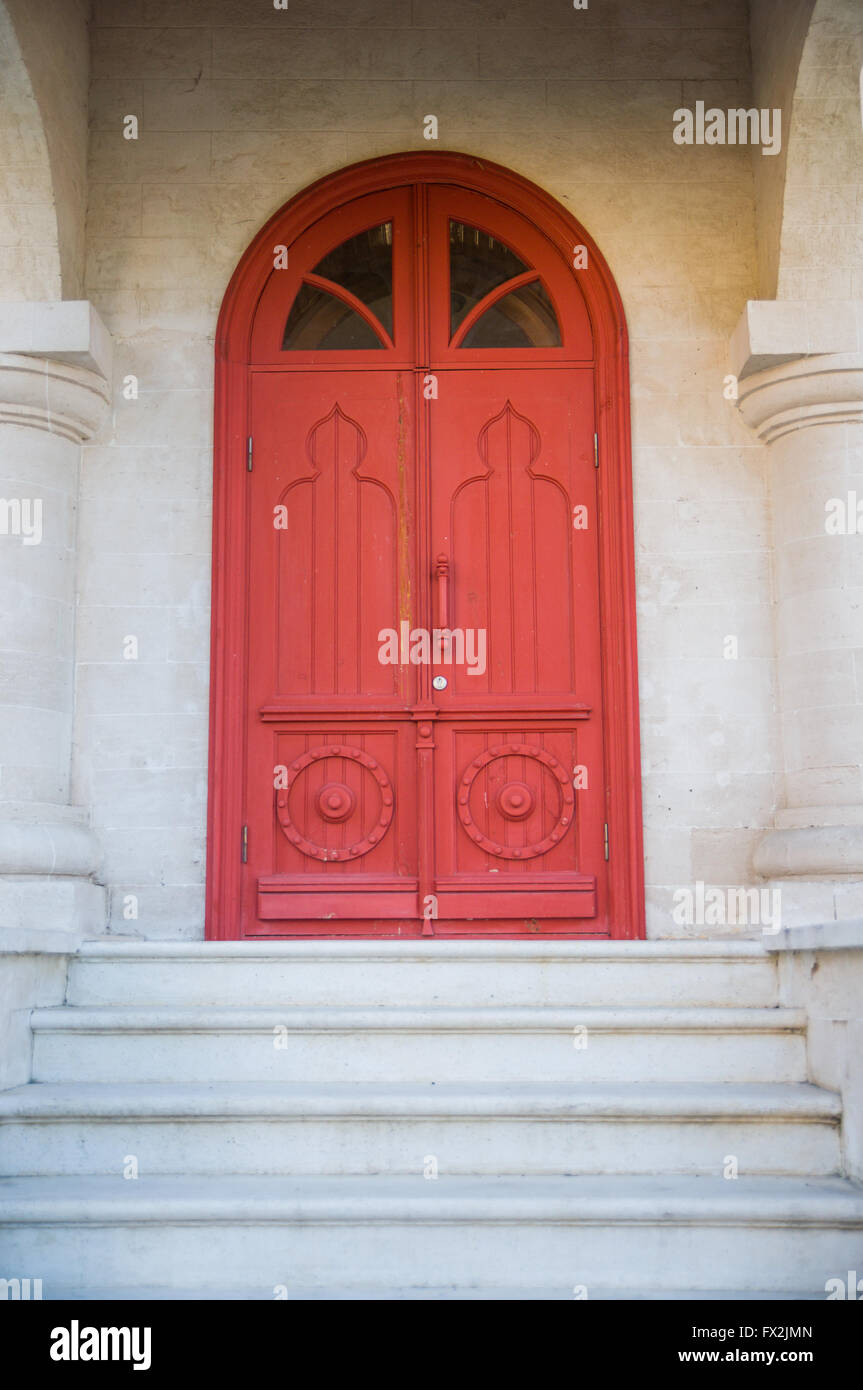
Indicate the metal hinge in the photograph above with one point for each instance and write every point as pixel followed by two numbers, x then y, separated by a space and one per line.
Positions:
pixel 595 450
pixel 244 852
pixel 249 453
pixel 605 838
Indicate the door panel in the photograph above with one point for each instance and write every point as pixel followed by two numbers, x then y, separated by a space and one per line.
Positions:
pixel 335 451
pixel 519 765
pixel 511 456
pixel 330 777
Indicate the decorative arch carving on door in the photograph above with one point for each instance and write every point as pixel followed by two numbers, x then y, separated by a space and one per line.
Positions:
pixel 256 324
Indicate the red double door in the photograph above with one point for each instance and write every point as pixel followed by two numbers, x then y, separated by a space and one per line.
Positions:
pixel 424 747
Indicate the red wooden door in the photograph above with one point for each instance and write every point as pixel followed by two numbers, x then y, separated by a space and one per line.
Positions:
pixel 518 737
pixel 423 741
pixel 333 836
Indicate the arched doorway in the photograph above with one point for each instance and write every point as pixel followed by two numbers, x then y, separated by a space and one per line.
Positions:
pixel 424 699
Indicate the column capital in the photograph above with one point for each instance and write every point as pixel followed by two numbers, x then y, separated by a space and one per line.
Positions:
pixel 798 364
pixel 55 367
pixel 826 390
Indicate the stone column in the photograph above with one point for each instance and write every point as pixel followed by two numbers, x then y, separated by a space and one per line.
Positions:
pixel 54 393
pixel 806 405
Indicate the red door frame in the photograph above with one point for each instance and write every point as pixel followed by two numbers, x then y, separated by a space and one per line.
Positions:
pixel 616 532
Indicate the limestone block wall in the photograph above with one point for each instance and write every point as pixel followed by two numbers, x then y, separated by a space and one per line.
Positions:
pixel 239 106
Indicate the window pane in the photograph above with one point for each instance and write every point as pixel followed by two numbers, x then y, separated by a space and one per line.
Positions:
pixel 320 321
pixel 364 265
pixel 523 318
pixel 477 263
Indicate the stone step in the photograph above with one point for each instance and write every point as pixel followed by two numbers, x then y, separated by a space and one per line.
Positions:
pixel 408 1045
pixel 274 1127
pixel 374 1293
pixel 262 1234
pixel 437 971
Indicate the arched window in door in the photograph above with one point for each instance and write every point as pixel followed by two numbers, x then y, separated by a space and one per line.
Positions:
pixel 346 301
pixel 496 301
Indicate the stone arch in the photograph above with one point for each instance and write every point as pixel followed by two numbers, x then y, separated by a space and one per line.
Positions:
pixel 44 69
pixel 818 244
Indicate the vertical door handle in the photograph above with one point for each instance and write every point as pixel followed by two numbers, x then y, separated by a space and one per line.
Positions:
pixel 441 570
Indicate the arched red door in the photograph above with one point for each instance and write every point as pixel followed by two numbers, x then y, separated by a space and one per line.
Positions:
pixel 420 719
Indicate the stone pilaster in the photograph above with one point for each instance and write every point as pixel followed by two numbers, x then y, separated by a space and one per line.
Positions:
pixel 54 394
pixel 806 405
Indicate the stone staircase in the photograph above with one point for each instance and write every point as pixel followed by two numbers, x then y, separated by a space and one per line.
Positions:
pixel 287 1105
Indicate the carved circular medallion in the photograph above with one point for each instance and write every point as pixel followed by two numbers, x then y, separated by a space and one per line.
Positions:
pixel 516 801
pixel 336 802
